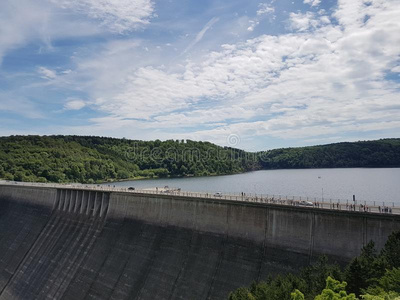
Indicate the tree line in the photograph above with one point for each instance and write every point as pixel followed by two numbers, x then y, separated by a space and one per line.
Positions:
pixel 91 159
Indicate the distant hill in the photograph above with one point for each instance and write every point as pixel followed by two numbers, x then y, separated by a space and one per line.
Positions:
pixel 379 153
pixel 90 159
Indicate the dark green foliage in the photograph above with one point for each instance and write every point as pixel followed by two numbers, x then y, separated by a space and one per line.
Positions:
pixel 364 270
pixel 316 274
pixel 391 280
pixel 372 276
pixel 96 159
pixel 311 281
pixel 335 290
pixel 241 294
pixel 381 153
pixel 387 287
pixel 279 288
pixel 391 251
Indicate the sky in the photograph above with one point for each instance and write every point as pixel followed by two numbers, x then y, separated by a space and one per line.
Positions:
pixel 255 75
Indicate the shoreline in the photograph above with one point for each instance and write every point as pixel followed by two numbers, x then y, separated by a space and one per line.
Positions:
pixel 173 177
pixel 215 175
pixel 141 178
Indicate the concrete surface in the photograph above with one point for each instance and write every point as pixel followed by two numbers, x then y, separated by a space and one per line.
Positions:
pixel 80 244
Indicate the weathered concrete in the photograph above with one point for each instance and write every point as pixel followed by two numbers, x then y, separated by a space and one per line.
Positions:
pixel 81 244
pixel 295 229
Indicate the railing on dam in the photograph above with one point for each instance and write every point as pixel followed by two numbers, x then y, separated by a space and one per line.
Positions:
pixel 307 202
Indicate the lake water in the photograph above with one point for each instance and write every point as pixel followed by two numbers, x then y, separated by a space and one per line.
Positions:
pixel 366 184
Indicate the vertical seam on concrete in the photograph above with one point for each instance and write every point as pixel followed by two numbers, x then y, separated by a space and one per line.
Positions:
pixel 108 207
pixel 127 261
pixel 264 248
pixel 126 210
pixel 217 267
pixel 57 200
pixel 312 233
pixel 104 261
pixel 156 248
pixel 365 241
pixel 221 255
pixel 183 267
pixel 228 213
pixel 196 208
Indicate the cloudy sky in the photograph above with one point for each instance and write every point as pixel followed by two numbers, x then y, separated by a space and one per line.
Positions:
pixel 273 74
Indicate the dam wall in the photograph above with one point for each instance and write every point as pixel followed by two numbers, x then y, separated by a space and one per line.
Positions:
pixel 77 243
pixel 305 230
pixel 42 196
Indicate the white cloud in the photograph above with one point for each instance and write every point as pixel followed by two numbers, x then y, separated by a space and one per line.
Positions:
pixel 312 2
pixel 253 25
pixel 265 9
pixel 47 73
pixel 118 15
pixel 74 104
pixel 322 79
pixel 305 21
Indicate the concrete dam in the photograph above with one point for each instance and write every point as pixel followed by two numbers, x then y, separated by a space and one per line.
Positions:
pixel 75 243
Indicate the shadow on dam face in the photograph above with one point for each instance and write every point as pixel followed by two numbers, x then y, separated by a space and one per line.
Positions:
pixel 78 246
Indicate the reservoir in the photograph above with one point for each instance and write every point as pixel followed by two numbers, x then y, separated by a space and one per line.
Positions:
pixel 367 184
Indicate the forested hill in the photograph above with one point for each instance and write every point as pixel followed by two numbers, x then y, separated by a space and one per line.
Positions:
pixel 379 153
pixel 96 159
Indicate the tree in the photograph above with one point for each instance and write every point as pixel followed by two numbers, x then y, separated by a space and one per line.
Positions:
pixel 123 174
pixel 316 274
pixel 391 250
pixel 388 287
pixel 297 295
pixel 364 270
pixel 383 296
pixel 183 170
pixel 241 294
pixel 8 176
pixel 335 290
pixel 19 176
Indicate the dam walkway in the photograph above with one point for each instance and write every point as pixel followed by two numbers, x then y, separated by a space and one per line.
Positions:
pixel 384 207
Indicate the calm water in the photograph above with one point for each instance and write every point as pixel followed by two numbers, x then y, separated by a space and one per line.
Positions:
pixel 367 184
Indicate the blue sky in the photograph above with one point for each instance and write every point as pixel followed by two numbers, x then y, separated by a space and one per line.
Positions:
pixel 251 74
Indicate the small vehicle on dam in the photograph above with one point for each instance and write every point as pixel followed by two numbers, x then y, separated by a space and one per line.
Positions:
pixel 306 203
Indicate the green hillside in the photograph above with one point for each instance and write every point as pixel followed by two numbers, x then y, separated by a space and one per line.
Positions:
pixel 97 159
pixel 380 153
